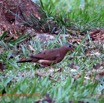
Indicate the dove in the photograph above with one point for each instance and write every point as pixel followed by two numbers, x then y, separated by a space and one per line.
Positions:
pixel 49 57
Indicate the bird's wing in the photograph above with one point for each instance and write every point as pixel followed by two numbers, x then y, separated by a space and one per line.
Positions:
pixel 47 54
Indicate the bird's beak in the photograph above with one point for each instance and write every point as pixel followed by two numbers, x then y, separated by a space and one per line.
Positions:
pixel 72 49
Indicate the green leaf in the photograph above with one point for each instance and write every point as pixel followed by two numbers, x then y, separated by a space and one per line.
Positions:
pixel 3 35
pixel 20 39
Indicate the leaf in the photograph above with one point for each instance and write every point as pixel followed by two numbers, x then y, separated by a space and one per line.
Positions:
pixel 2 66
pixel 20 39
pixel 3 35
pixel 79 46
pixel 31 48
pixel 48 72
pixel 42 4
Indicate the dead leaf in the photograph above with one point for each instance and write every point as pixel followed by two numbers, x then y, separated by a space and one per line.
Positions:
pixel 31 48
pixel 45 37
pixel 2 66
pixel 96 66
pixel 46 99
pixel 97 35
pixel 71 58
pixel 48 72
pixel 72 65
pixel 54 70
pixel 41 74
pixel 77 76
pixel 1 50
pixel 101 73
pixel 93 52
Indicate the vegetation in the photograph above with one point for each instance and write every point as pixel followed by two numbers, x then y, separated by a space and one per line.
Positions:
pixel 72 80
pixel 82 13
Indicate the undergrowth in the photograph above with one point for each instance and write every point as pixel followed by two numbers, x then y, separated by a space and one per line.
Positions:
pixel 19 83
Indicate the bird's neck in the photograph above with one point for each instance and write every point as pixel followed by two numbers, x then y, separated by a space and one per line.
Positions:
pixel 64 50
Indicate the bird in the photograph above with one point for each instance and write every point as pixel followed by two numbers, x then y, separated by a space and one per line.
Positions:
pixel 49 57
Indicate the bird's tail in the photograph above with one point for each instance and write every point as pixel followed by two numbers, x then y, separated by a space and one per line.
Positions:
pixel 22 61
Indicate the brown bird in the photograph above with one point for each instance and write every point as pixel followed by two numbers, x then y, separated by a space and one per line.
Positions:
pixel 49 57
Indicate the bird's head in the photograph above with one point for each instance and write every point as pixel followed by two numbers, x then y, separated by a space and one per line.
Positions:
pixel 69 47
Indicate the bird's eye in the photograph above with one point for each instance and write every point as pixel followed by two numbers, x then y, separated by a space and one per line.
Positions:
pixel 70 46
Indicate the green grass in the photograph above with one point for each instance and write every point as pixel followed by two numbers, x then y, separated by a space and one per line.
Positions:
pixel 20 80
pixel 82 13
pixel 22 84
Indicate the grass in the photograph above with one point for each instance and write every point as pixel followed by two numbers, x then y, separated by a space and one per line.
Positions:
pixel 83 14
pixel 22 84
pixel 20 81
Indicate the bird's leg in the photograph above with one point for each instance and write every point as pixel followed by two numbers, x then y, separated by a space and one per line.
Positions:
pixel 46 62
pixel 43 66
